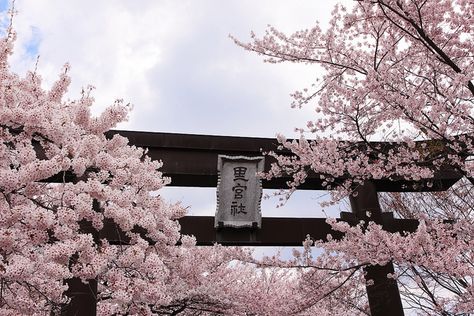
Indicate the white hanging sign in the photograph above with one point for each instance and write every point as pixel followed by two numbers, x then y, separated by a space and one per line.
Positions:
pixel 239 191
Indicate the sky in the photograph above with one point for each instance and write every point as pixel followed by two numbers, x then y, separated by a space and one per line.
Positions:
pixel 174 61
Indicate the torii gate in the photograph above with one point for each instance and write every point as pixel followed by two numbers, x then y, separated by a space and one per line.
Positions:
pixel 191 161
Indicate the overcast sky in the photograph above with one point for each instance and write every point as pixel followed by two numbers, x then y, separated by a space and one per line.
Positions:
pixel 174 61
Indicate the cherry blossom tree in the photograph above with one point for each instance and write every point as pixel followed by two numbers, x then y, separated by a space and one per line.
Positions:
pixel 398 71
pixel 49 232
pixel 395 101
pixel 454 204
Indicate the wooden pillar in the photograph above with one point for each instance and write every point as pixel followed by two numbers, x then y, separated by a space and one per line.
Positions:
pixel 83 298
pixel 83 295
pixel 383 294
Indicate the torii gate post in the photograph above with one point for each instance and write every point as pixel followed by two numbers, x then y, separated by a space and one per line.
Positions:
pixel 383 294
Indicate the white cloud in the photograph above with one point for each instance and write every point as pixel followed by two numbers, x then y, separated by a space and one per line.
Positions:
pixel 156 54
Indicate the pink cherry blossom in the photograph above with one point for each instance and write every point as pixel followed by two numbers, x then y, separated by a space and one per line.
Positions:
pixel 395 101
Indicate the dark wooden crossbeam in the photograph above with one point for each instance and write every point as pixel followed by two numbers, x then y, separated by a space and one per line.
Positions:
pixel 191 160
pixel 275 231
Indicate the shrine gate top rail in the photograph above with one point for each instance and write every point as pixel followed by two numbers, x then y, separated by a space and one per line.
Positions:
pixel 191 160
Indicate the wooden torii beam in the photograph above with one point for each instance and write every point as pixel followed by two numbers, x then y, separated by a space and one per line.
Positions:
pixel 275 231
pixel 191 161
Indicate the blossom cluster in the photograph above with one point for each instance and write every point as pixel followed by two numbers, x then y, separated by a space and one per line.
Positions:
pixel 395 102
